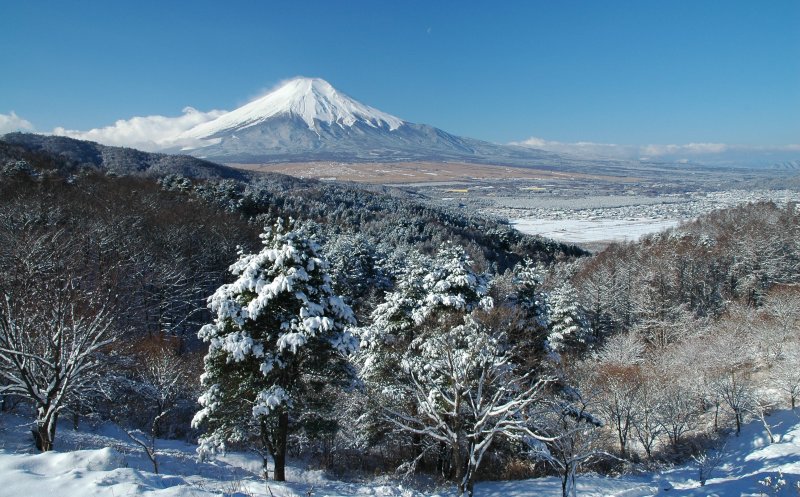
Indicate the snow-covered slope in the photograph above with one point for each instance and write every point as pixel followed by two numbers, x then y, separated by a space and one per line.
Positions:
pixel 109 464
pixel 313 100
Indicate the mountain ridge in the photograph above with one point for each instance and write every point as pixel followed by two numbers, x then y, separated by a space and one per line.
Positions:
pixel 74 155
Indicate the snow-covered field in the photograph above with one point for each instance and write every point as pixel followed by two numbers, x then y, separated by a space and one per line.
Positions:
pixel 606 219
pixel 588 231
pixel 102 461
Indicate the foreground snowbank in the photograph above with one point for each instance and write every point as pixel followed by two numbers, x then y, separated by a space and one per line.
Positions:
pixel 103 462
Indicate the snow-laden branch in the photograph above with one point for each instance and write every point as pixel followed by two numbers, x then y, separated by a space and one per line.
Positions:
pixel 466 394
pixel 49 347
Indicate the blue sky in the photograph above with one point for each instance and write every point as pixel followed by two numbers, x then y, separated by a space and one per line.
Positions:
pixel 630 72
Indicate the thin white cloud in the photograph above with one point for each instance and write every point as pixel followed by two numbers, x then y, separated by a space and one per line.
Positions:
pixel 148 133
pixel 688 148
pixel 12 122
pixel 581 149
pixel 683 153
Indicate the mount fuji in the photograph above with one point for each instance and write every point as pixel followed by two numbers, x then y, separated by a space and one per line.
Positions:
pixel 307 119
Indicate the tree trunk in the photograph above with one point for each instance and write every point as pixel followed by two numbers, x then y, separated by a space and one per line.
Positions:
pixel 280 446
pixel 45 433
pixel 673 437
pixel 738 422
pixel 280 467
pixel 442 460
pixel 153 460
pixel 568 484
pixel 40 438
pixel 76 416
pixel 265 465
pixel 468 482
pixel 572 488
pixel 762 416
pixel 457 456
pixel 458 466
pixel 416 445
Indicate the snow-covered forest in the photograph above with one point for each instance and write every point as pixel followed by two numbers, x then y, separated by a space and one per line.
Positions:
pixel 365 333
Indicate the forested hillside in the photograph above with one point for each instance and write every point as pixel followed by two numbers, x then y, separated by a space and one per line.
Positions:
pixel 383 214
pixel 70 155
pixel 695 271
pixel 365 331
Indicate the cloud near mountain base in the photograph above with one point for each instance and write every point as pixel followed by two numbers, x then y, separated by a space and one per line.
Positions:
pixel 12 122
pixel 149 133
pixel 688 152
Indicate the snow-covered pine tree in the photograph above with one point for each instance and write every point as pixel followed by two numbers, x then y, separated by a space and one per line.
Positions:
pixel 522 310
pixel 278 338
pixel 354 269
pixel 567 321
pixel 528 279
pixel 430 298
pixel 427 289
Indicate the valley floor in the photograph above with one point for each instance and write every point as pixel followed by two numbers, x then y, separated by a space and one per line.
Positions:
pixel 103 461
pixel 594 222
pixel 583 232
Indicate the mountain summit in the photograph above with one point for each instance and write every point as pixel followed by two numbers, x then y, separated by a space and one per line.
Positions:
pixel 307 119
pixel 313 100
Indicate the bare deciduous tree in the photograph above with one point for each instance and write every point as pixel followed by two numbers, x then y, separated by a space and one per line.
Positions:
pixel 50 345
pixel 572 439
pixel 149 392
pixel 786 373
pixel 467 394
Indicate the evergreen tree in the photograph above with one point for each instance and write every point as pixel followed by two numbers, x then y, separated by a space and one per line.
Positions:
pixel 529 276
pixel 355 271
pixel 567 321
pixel 528 279
pixel 278 338
pixel 430 298
pixel 427 293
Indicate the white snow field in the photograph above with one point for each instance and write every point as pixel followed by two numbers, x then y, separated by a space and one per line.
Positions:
pixel 102 461
pixel 621 218
pixel 588 231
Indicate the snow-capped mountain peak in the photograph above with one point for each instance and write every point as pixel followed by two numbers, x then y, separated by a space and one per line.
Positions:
pixel 307 119
pixel 313 100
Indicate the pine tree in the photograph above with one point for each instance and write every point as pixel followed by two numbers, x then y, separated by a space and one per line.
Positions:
pixel 430 298
pixel 355 271
pixel 428 290
pixel 528 279
pixel 279 336
pixel 567 322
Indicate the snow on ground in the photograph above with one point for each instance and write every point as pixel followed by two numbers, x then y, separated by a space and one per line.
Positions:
pixel 588 231
pixel 616 218
pixel 102 461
